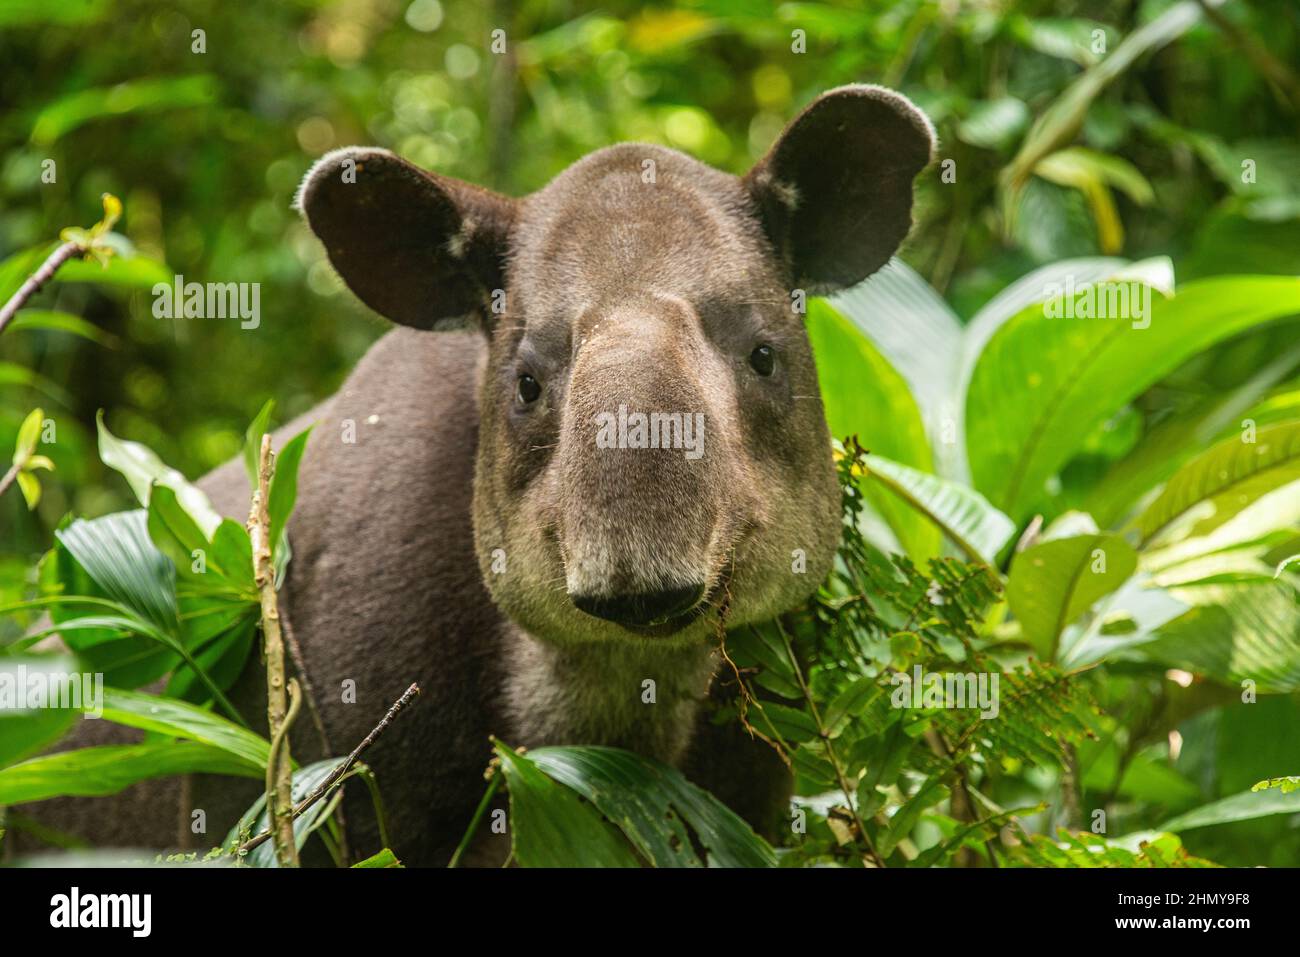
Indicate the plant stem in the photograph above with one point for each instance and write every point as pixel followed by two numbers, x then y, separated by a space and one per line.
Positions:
pixel 8 478
pixel 35 281
pixel 483 805
pixel 279 774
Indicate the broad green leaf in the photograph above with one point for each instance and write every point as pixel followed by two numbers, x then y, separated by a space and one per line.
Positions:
pixel 994 124
pixel 864 396
pixel 1245 806
pixel 1220 482
pixel 1043 384
pixel 116 553
pixel 551 826
pixel 143 469
pixel 962 514
pixel 1054 582
pixel 99 771
pixel 174 533
pixel 181 720
pixel 655 807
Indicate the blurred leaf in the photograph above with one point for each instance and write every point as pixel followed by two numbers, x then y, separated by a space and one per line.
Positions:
pixel 61 322
pixel 994 124
pixel 1240 807
pixel 133 96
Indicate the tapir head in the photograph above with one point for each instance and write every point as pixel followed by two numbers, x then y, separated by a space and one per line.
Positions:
pixel 653 456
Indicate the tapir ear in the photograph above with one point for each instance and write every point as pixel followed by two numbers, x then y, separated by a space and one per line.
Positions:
pixel 414 246
pixel 835 191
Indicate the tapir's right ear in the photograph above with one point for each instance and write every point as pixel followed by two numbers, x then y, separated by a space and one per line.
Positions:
pixel 415 247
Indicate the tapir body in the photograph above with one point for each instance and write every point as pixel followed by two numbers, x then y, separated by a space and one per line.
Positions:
pixel 474 512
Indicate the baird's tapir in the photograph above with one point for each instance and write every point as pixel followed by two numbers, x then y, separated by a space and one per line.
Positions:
pixel 594 440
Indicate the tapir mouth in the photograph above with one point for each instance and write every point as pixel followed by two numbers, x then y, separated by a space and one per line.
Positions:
pixel 702 603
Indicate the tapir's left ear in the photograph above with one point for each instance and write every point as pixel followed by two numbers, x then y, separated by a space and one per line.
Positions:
pixel 835 191
pixel 414 246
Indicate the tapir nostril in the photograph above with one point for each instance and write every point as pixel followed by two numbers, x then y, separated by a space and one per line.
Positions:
pixel 641 608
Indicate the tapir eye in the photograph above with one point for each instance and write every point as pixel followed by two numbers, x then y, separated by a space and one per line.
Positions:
pixel 763 360
pixel 529 390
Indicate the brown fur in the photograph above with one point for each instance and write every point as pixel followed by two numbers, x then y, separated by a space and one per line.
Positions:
pixel 452 543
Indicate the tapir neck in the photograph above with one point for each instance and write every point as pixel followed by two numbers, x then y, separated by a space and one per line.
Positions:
pixel 640 697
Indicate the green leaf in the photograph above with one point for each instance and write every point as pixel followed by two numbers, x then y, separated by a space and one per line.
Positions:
pixel 25 731
pixel 918 336
pixel 100 771
pixel 53 321
pixel 30 486
pixel 181 720
pixel 655 806
pixel 1219 483
pixel 1234 632
pixel 143 469
pixel 1056 581
pixel 384 858
pixel 864 396
pixel 1043 384
pixel 1170 443
pixel 116 553
pixel 70 111
pixel 1061 122
pixel 962 514
pixel 29 433
pixel 284 484
pixel 1245 806
pixel 260 425
pixel 550 826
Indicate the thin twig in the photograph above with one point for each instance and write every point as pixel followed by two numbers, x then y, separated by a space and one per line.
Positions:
pixel 8 478
pixel 36 280
pixel 323 788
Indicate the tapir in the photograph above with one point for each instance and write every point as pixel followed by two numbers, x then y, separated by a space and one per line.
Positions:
pixel 593 442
